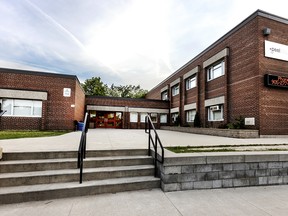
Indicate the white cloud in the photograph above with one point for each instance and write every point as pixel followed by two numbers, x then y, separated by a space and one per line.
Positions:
pixel 123 42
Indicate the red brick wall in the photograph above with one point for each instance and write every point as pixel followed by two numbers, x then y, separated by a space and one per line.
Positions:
pixel 57 113
pixel 16 123
pixel 243 82
pixel 273 101
pixel 129 102
pixel 79 102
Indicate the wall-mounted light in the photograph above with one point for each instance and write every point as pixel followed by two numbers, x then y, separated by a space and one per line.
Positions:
pixel 266 31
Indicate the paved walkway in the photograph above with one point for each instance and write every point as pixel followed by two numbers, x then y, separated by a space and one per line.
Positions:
pixel 122 139
pixel 262 201
pixel 255 201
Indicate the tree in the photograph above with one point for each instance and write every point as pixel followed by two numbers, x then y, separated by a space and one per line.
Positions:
pixel 94 86
pixel 128 91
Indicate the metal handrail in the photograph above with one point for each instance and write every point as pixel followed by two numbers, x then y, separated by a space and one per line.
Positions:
pixel 82 147
pixel 2 112
pixel 157 158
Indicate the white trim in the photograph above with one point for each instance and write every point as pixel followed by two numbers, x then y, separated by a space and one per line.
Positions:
pixel 189 106
pixel 148 110
pixel 106 108
pixel 215 101
pixel 190 73
pixel 215 58
pixel 175 82
pixel 126 109
pixel 175 110
pixel 22 94
pixel 164 89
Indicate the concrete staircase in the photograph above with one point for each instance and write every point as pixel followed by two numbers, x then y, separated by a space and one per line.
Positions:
pixel 37 176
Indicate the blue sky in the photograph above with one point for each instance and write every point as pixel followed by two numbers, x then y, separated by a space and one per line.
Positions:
pixel 122 41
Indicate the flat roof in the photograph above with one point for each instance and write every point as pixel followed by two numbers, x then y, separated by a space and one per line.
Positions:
pixel 38 73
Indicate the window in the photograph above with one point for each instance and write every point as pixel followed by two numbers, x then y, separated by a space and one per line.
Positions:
pixel 133 117
pixel 163 118
pixel 143 117
pixel 164 95
pixel 190 115
pixel 26 108
pixel 191 82
pixel 175 117
pixel 215 71
pixel 215 113
pixel 153 117
pixel 175 90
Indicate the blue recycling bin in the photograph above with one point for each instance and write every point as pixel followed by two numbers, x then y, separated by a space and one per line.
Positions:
pixel 80 126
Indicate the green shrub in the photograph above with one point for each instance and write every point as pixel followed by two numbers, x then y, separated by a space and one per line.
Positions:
pixel 239 123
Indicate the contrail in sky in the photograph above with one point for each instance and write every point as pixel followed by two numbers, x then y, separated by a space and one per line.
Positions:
pixel 58 25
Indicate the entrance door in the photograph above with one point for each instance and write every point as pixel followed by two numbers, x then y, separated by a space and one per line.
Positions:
pixel 108 119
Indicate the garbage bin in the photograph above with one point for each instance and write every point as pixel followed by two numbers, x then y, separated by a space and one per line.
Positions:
pixel 80 126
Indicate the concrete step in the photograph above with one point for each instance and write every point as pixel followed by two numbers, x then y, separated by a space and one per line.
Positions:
pixel 63 190
pixel 70 154
pixel 71 163
pixel 70 175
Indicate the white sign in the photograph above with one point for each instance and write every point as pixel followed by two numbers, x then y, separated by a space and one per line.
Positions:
pixel 67 92
pixel 249 121
pixel 276 50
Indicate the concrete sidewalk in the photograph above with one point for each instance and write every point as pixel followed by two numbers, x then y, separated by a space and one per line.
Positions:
pixel 235 201
pixel 124 139
pixel 241 201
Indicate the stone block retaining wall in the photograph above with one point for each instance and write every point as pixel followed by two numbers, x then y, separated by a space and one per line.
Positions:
pixel 235 133
pixel 223 170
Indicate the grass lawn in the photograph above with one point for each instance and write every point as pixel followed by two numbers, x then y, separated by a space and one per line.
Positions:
pixel 26 134
pixel 229 148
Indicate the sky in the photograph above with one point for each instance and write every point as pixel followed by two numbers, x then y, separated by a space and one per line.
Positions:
pixel 125 42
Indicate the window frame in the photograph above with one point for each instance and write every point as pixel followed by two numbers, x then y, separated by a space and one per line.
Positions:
pixel 161 118
pixel 165 93
pixel 210 113
pixel 34 106
pixel 189 80
pixel 143 117
pixel 213 68
pixel 154 117
pixel 175 90
pixel 174 117
pixel 132 118
pixel 193 116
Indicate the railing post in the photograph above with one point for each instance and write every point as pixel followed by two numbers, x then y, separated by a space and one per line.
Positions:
pixel 82 147
pixel 155 159
pixel 148 127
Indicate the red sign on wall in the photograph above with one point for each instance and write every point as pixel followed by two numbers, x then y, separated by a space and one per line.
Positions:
pixel 276 81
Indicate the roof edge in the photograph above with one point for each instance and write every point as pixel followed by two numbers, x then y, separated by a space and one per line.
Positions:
pixel 237 27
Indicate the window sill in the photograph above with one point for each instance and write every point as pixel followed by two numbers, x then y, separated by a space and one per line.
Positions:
pixel 216 120
pixel 21 116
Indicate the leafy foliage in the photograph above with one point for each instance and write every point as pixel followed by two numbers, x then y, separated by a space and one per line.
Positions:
pixel 95 86
pixel 239 123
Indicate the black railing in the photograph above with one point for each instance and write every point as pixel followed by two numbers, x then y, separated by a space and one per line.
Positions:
pixel 154 140
pixel 2 112
pixel 82 146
